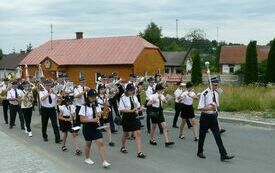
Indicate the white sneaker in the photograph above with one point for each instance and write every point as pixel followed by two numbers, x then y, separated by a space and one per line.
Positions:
pixel 89 161
pixel 26 131
pixel 30 134
pixel 105 164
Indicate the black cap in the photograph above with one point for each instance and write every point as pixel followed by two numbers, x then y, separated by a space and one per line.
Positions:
pixel 157 75
pixel 92 92
pixel 130 87
pixel 68 99
pixel 151 79
pixel 159 87
pixel 215 80
pixel 100 86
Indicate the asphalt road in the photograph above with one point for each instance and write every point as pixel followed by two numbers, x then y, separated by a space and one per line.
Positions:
pixel 252 146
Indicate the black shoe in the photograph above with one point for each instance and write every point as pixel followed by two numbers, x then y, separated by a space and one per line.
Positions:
pixel 175 126
pixel 201 155
pixel 222 131
pixel 153 142
pixel 58 141
pixel 111 144
pixel 11 127
pixel 227 157
pixel 45 139
pixel 141 155
pixel 167 144
pixel 196 139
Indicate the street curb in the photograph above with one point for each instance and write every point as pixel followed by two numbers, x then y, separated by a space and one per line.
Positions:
pixel 235 120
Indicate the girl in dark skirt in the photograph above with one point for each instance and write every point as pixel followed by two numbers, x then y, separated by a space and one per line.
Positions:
pixel 66 117
pixel 156 101
pixel 102 100
pixel 187 112
pixel 129 107
pixel 89 116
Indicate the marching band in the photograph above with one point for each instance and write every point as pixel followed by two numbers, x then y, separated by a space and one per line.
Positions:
pixel 73 108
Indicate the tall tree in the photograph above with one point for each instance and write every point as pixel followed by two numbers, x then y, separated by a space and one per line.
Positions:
pixel 174 47
pixel 153 34
pixel 29 48
pixel 251 63
pixel 1 54
pixel 196 76
pixel 270 70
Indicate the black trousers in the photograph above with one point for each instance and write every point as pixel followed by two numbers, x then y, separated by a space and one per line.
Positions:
pixel 77 119
pixel 177 113
pixel 5 104
pixel 148 119
pixel 13 111
pixel 210 121
pixel 46 114
pixel 114 108
pixel 27 112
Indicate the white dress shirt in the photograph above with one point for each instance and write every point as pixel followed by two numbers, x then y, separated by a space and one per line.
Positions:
pixel 80 100
pixel 88 111
pixel 177 94
pixel 187 100
pixel 11 95
pixel 45 103
pixel 156 101
pixel 206 99
pixel 125 103
pixel 67 111
pixel 150 91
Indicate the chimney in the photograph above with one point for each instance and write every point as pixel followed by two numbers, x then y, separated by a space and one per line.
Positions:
pixel 79 35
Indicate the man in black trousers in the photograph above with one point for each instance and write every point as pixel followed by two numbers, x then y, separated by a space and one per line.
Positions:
pixel 208 105
pixel 5 102
pixel 48 103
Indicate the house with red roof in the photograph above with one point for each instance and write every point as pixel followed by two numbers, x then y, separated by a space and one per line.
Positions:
pixel 231 57
pixel 123 55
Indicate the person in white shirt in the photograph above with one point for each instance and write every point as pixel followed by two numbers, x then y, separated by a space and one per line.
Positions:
pixel 80 95
pixel 178 105
pixel 208 105
pixel 103 101
pixel 13 96
pixel 186 98
pixel 150 91
pixel 156 101
pixel 5 102
pixel 67 116
pixel 48 100
pixel 89 115
pixel 129 107
pixel 27 105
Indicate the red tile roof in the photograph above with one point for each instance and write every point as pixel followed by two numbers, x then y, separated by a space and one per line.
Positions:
pixel 236 54
pixel 90 51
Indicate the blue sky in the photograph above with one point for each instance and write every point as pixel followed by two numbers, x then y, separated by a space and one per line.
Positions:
pixel 24 21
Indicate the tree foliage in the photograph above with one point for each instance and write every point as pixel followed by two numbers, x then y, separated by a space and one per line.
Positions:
pixel 1 54
pixel 152 34
pixel 251 63
pixel 270 70
pixel 29 48
pixel 196 76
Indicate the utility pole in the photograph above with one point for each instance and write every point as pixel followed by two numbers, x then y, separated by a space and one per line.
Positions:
pixel 177 36
pixel 51 36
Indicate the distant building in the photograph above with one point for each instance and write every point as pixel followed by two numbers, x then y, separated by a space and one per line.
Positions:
pixel 177 60
pixel 90 56
pixel 10 62
pixel 231 57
